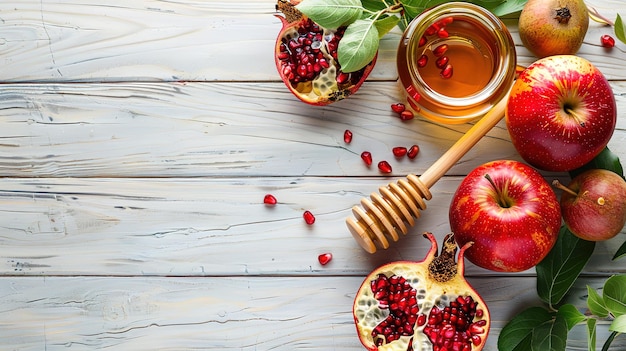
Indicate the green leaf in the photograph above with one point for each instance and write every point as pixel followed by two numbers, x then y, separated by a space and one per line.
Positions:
pixel 517 334
pixel 331 14
pixel 358 46
pixel 373 5
pixel 621 252
pixel 591 334
pixel 620 31
pixel 605 160
pixel 596 303
pixel 619 324
pixel 614 294
pixel 550 335
pixel 386 24
pixel 571 315
pixel 412 8
pixel 506 7
pixel 559 270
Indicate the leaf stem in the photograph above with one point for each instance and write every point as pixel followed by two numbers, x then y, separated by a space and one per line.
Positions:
pixel 608 341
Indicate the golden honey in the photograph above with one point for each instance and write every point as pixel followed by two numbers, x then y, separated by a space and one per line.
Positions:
pixel 455 62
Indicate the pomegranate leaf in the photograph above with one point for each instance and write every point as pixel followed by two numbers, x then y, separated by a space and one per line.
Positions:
pixel 614 295
pixel 596 303
pixel 385 24
pixel 550 335
pixel 619 324
pixel 331 14
pixel 591 334
pixel 358 46
pixel 517 334
pixel 621 252
pixel 620 30
pixel 559 270
pixel 571 315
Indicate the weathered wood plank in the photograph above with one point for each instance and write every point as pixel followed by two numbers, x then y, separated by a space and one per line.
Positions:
pixel 219 129
pixel 206 227
pixel 236 313
pixel 190 40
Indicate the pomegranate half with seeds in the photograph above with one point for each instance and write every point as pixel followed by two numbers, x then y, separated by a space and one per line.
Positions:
pixel 427 305
pixel 306 59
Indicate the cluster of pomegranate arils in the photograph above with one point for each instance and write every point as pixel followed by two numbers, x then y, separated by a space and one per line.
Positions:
pixel 400 298
pixel 303 57
pixel 451 327
pixel 309 218
pixel 442 62
pixel 384 166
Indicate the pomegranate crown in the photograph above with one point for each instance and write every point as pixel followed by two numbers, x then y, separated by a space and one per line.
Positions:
pixel 288 8
pixel 444 267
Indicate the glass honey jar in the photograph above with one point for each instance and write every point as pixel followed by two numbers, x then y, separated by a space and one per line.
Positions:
pixel 455 61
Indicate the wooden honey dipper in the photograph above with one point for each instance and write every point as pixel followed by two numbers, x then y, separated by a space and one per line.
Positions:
pixel 399 203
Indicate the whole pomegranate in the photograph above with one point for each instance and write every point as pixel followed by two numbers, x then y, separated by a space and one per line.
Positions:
pixel 553 27
pixel 306 59
pixel 425 305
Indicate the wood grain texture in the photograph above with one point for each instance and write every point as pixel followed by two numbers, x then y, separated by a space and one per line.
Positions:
pixel 233 313
pixel 219 129
pixel 137 140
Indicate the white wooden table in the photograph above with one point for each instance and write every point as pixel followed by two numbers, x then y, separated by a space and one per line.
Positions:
pixel 138 139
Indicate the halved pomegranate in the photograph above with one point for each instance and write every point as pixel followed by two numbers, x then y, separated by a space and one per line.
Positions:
pixel 306 59
pixel 425 305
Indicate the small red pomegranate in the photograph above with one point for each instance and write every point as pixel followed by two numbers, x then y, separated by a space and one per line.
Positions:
pixel 427 305
pixel 306 59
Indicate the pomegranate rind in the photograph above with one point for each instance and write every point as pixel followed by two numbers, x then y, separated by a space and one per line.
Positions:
pixel 324 88
pixel 368 314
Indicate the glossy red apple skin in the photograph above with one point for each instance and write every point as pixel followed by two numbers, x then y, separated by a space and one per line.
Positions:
pixel 599 211
pixel 506 239
pixel 543 133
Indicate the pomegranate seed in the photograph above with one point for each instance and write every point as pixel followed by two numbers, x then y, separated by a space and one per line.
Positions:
pixel 367 157
pixel 309 218
pixel 324 258
pixel 445 21
pixel 384 167
pixel 442 62
pixel 607 41
pixel 342 77
pixel 423 41
pixel 269 199
pixel 443 33
pixel 398 108
pixel 406 115
pixel 399 151
pixel 446 72
pixel 432 29
pixel 422 61
pixel 413 151
pixel 347 136
pixel 440 50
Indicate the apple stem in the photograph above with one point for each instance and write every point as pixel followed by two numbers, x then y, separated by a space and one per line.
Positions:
pixel 501 199
pixel 570 111
pixel 558 185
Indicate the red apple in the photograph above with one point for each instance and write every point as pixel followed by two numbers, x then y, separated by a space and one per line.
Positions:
pixel 510 213
pixel 561 113
pixel 593 205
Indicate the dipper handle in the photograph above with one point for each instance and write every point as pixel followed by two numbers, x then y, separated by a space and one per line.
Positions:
pixel 398 204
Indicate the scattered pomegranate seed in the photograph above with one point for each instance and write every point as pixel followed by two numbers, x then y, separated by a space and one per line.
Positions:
pixel 367 157
pixel 422 61
pixel 309 218
pixel 398 107
pixel 325 258
pixel 347 136
pixel 406 115
pixel 442 33
pixel 269 199
pixel 607 41
pixel 442 62
pixel 440 50
pixel 413 151
pixel 384 167
pixel 446 72
pixel 399 151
